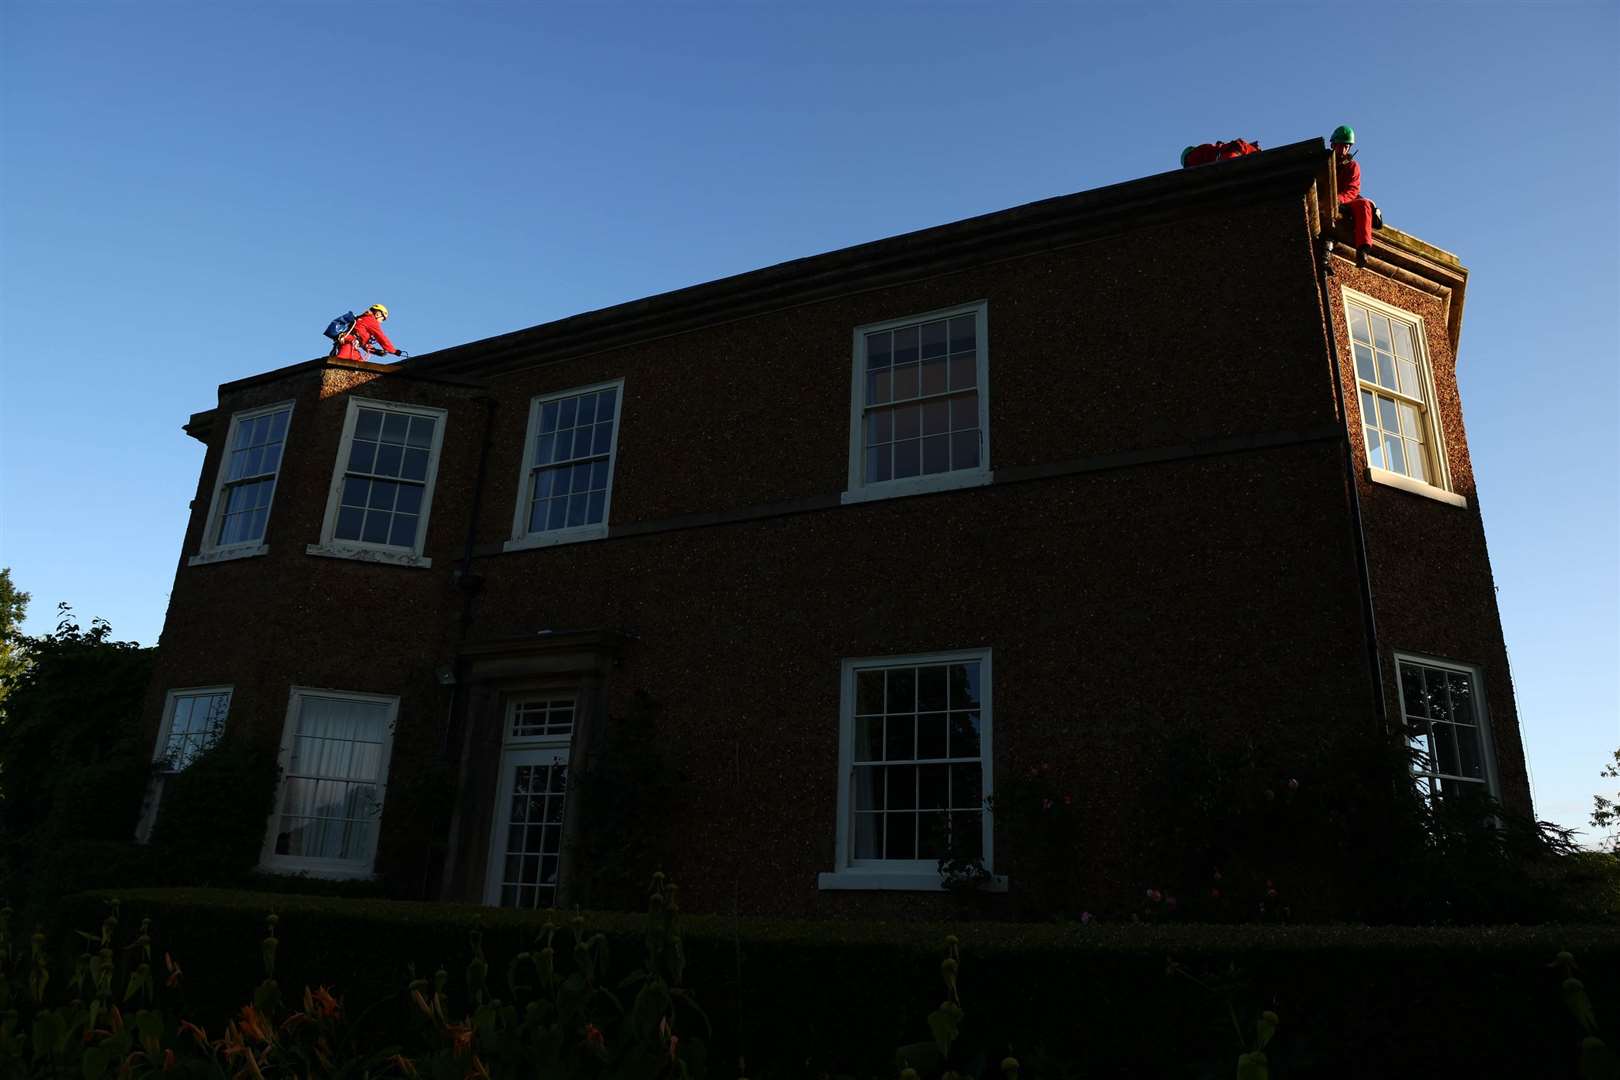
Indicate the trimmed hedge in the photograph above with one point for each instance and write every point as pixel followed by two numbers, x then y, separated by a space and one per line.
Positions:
pixel 800 997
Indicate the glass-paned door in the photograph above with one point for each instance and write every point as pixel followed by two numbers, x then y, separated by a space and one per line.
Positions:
pixel 525 858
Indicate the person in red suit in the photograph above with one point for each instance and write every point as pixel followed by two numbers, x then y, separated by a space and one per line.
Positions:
pixel 1209 153
pixel 366 337
pixel 1359 210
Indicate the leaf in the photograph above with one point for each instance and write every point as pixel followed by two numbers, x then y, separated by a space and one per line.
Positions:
pixel 944 1028
pixel 1598 1062
pixel 924 1057
pixel 1253 1066
pixel 93 1063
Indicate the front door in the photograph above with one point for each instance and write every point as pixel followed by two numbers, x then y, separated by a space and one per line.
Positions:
pixel 526 841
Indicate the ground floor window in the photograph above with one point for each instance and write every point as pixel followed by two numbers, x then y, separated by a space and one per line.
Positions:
pixel 335 750
pixel 526 843
pixel 1444 712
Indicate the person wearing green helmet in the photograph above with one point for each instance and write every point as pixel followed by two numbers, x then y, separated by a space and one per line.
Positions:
pixel 1359 210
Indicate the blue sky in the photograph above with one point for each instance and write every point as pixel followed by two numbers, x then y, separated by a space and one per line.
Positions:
pixel 189 191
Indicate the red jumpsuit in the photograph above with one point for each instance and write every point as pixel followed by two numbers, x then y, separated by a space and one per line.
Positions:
pixel 368 329
pixel 1359 209
pixel 1209 153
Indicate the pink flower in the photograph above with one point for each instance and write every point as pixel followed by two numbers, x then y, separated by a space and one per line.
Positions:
pixel 1046 804
pixel 1155 895
pixel 1215 893
pixel 1068 800
pixel 1085 918
pixel 1170 903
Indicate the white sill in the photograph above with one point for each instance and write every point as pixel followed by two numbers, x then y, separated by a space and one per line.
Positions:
pixel 894 881
pixel 393 557
pixel 917 485
pixel 202 558
pixel 1416 487
pixel 324 873
pixel 552 539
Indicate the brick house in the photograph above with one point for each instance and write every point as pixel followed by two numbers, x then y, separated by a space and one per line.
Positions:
pixel 872 527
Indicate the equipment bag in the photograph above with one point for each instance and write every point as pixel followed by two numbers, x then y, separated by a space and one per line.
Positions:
pixel 340 325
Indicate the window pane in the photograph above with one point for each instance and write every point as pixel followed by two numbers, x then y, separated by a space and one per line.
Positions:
pixel 595 507
pixel 905 345
pixel 933 787
pixel 362 456
pixel 878 349
pixel 375 530
pixel 878 463
pixel 394 427
pixel 548 418
pixel 907 421
pixel 967 786
pixel 900 836
pixel 389 459
pixel 1412 697
pixel 907 459
pixel 1445 749
pixel 587 411
pixel 403 533
pixel 1364 362
pixel 867 783
pixel 931 830
pixel 964 411
pixel 965 734
pixel 1416 462
pixel 582 441
pixel 421 434
pixel 577 505
pixel 933 339
pixel 868 836
pixel 348 523
pixel 568 409
pixel 356 490
pixel 1409 420
pixel 868 738
pixel 1386 371
pixel 1397 455
pixel 932 736
pixel 879 427
pixel 409 500
pixel 1358 325
pixel 933 376
pixel 382 495
pixel 557 513
pixel 936 454
pixel 1403 339
pixel 905 382
pixel 606 402
pixel 368 425
pixel 1409 378
pixel 936 418
pixel 1380 329
pixel 965 450
pixel 1375 448
pixel 604 438
pixel 1386 416
pixel 964 680
pixel 963 328
pixel 415 465
pixel 902 690
pixel 868 692
pixel 1460 688
pixel 964 371
pixel 1470 762
pixel 967 835
pixel 900 792
pixel 931 694
pixel 899 737
pixel 878 388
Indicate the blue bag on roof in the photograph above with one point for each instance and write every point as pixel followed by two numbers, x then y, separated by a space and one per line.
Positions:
pixel 340 325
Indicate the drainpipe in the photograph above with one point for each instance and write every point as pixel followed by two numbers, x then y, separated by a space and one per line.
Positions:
pixel 1358 532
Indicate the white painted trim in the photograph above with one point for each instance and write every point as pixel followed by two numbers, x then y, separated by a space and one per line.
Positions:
pixel 1487 744
pixel 522 539
pixel 227 554
pixel 897 873
pixel 207 550
pixel 359 549
pixel 1430 403
pixel 856 880
pixel 154 788
pixel 513 755
pixel 1416 487
pixel 343 869
pixel 856 489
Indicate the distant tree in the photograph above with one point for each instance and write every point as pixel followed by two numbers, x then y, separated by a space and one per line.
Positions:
pixel 1606 812
pixel 13 656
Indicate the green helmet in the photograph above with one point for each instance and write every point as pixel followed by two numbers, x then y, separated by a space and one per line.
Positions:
pixel 1345 134
pixel 1184 154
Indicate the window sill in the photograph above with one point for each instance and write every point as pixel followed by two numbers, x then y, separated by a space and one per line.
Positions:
pixel 324 873
pixel 203 558
pixel 1416 487
pixel 366 554
pixel 918 485
pixel 894 881
pixel 554 539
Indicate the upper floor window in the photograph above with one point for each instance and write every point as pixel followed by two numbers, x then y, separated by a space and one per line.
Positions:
pixel 382 487
pixel 1396 391
pixel 915 769
pixel 919 415
pixel 1444 712
pixel 335 750
pixel 565 488
pixel 240 509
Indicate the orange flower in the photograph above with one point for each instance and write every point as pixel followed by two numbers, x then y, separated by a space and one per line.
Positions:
pixel 462 1035
pixel 168 1060
pixel 174 971
pixel 593 1037
pixel 253 1024
pixel 403 1064
pixel 329 1004
pixel 196 1032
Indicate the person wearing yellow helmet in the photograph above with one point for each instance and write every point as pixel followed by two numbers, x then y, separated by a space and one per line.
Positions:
pixel 366 337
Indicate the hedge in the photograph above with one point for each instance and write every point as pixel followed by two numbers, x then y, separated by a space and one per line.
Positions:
pixel 807 998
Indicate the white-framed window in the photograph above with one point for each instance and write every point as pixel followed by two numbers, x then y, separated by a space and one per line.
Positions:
pixel 382 486
pixel 525 850
pixel 1395 391
pixel 193 721
pixel 914 769
pixel 565 487
pixel 245 485
pixel 919 404
pixel 1443 707
pixel 335 750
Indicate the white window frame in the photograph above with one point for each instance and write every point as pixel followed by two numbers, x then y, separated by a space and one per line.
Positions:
pixel 1487 747
pixel 917 875
pixel 360 867
pixel 858 490
pixel 546 749
pixel 154 788
pixel 522 538
pixel 360 549
pixel 209 551
pixel 1439 466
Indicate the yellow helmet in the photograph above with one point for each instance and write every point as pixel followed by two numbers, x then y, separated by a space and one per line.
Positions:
pixel 379 309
